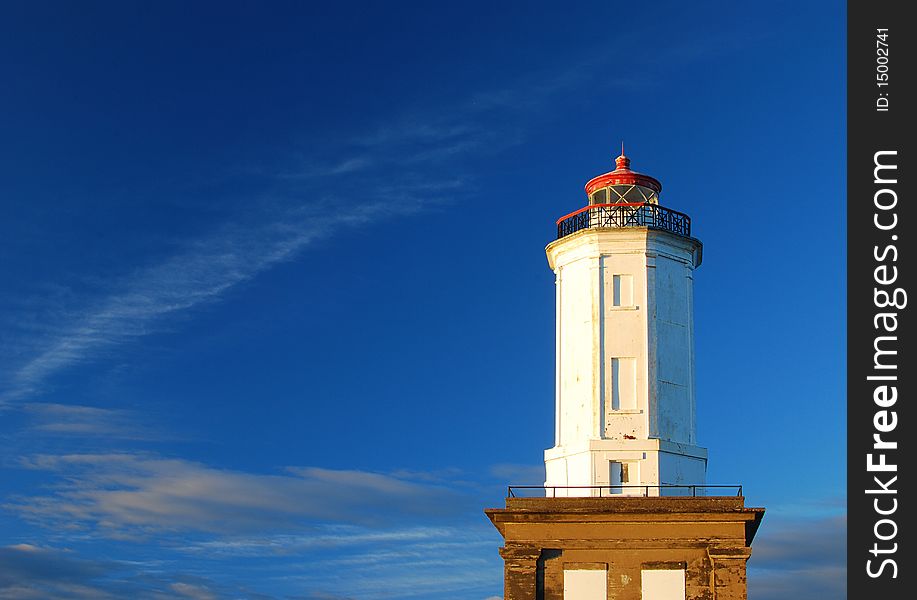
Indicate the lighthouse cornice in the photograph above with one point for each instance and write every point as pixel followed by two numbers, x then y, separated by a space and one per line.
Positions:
pixel 593 243
pixel 626 445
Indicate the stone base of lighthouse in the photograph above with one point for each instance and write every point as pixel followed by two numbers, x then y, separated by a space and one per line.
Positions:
pixel 626 548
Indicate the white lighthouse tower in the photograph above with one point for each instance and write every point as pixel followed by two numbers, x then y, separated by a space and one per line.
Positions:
pixel 625 513
pixel 625 405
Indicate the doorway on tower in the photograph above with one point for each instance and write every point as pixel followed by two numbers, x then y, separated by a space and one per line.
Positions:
pixel 624 478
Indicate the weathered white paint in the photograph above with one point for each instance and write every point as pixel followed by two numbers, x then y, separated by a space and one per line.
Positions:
pixel 662 584
pixel 625 359
pixel 585 584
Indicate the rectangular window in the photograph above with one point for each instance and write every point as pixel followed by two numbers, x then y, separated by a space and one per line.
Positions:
pixel 663 584
pixel 622 290
pixel 623 384
pixel 585 584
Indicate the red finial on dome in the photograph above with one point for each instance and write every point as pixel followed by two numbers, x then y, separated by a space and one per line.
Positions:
pixel 622 162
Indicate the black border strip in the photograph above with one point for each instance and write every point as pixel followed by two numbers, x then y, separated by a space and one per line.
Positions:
pixel 881 366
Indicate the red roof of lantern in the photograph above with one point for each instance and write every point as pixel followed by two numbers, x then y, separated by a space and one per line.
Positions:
pixel 622 175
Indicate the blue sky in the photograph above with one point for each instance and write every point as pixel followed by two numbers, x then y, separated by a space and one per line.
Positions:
pixel 276 317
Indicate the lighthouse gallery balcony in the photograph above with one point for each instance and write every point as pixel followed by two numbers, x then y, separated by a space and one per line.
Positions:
pixel 625 214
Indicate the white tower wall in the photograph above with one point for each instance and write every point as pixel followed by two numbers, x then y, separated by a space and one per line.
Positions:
pixel 625 407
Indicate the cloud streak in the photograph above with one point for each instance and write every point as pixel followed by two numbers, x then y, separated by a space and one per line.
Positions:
pixel 53 419
pixel 411 162
pixel 33 572
pixel 239 250
pixel 445 562
pixel 440 563
pixel 124 494
pixel 206 271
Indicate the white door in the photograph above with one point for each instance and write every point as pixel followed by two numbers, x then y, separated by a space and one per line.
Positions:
pixel 663 584
pixel 585 584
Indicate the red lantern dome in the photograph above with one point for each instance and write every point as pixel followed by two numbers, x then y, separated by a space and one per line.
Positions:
pixel 623 185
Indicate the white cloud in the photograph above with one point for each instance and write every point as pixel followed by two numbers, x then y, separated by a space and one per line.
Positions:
pixel 48 418
pixel 195 592
pixel 133 494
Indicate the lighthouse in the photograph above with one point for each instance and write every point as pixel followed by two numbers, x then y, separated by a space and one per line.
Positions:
pixel 625 512
pixel 624 400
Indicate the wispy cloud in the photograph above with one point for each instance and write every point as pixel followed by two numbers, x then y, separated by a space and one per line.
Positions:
pixel 195 592
pixel 48 418
pixel 312 170
pixel 406 164
pixel 436 564
pixel 236 252
pixel 28 571
pixel 322 536
pixel 136 495
pixel 455 561
pixel 43 573
pixel 327 533
pixel 21 562
pixel 203 273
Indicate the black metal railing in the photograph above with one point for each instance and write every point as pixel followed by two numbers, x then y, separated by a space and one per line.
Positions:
pixel 625 215
pixel 609 491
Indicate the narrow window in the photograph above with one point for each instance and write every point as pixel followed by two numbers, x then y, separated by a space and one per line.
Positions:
pixel 623 384
pixel 623 290
pixel 663 584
